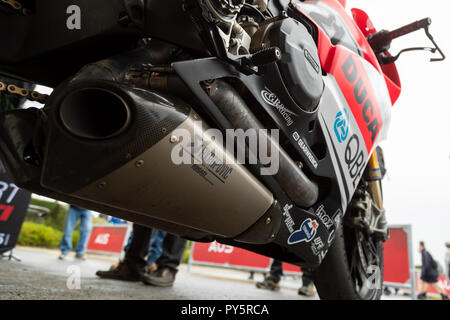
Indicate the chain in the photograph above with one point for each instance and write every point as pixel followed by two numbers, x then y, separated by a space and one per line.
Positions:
pixel 25 93
pixel 16 5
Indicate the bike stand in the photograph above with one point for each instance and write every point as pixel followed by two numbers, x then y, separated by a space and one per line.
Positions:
pixel 10 256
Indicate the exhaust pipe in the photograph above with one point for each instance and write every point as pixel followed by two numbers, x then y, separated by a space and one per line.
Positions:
pixel 115 146
pixel 105 144
pixel 94 113
pixel 291 178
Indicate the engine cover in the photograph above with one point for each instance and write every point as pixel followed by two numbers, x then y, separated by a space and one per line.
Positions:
pixel 300 65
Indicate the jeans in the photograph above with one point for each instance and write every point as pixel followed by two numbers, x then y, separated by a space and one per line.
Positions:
pixel 156 246
pixel 276 271
pixel 72 217
pixel 173 249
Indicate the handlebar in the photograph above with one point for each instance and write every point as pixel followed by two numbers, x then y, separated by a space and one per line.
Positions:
pixel 421 24
pixel 381 41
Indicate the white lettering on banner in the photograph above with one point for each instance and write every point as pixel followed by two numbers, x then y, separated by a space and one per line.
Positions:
pixel 102 238
pixel 4 186
pixel 220 248
pixel 4 239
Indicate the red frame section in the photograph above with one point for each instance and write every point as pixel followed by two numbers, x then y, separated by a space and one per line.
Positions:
pixel 333 60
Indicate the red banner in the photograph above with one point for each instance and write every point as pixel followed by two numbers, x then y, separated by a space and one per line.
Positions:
pixel 396 258
pixel 218 254
pixel 107 239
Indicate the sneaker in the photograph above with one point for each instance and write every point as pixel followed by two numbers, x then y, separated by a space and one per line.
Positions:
pixel 121 272
pixel 62 256
pixel 307 291
pixel 268 284
pixel 163 277
pixel 152 268
pixel 80 256
pixel 114 266
pixel 422 296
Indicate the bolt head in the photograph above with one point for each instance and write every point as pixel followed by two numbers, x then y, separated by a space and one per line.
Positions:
pixel 140 163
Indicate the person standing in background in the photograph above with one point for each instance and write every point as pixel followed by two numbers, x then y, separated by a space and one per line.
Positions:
pixel 276 272
pixel 73 215
pixel 447 262
pixel 429 275
pixel 135 265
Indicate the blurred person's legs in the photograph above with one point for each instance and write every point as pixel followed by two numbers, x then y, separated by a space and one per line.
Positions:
pixel 85 229
pixel 156 241
pixel 132 268
pixel 155 250
pixel 172 253
pixel 272 281
pixel 424 285
pixel 436 286
pixel 307 288
pixel 69 227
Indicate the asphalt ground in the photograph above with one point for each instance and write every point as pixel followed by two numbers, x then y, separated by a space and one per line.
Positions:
pixel 40 275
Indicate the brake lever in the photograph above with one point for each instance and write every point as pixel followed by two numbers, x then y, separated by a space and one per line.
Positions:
pixel 436 47
pixel 385 59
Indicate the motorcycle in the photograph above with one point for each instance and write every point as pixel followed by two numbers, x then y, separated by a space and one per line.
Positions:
pixel 145 91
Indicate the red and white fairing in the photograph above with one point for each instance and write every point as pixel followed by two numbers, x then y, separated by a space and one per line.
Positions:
pixel 355 110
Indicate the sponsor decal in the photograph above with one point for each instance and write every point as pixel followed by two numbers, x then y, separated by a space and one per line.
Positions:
pixel 271 99
pixel 306 233
pixel 317 246
pixel 288 221
pixel 324 217
pixel 354 158
pixel 363 96
pixel 306 150
pixel 337 218
pixel 341 126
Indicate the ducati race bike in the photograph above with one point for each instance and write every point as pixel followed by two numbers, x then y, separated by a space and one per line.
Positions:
pixel 146 90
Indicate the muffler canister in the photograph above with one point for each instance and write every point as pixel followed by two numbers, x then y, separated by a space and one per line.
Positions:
pixel 114 144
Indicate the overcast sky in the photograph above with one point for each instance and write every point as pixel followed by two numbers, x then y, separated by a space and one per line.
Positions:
pixel 417 152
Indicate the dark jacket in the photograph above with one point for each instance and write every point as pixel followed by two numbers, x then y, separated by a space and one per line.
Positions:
pixel 428 266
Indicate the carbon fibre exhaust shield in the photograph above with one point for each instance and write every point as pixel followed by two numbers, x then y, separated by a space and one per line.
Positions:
pixel 111 144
